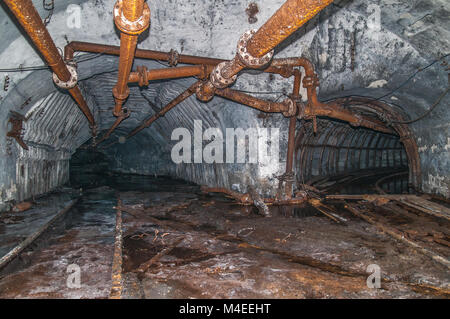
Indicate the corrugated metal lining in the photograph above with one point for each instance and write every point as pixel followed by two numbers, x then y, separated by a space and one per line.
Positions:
pixel 338 148
pixel 54 129
pixel 157 138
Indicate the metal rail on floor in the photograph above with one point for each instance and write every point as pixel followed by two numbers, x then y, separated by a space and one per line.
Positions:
pixel 116 273
pixel 6 259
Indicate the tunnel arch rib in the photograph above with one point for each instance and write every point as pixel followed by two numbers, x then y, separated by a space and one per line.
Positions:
pixel 348 149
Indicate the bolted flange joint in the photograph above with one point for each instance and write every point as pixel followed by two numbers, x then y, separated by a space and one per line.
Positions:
pixel 218 80
pixel 131 27
pixel 245 57
pixel 173 57
pixel 205 92
pixel 71 83
pixel 291 107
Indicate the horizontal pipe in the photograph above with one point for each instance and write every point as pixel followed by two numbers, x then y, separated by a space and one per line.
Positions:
pixel 286 20
pixel 172 73
pixel 77 46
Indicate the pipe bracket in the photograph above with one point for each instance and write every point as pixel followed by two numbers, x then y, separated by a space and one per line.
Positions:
pixel 71 83
pixel 143 75
pixel 131 27
pixel 246 58
pixel 173 57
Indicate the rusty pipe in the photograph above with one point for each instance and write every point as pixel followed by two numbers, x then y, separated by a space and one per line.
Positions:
pixel 253 102
pixel 288 19
pixel 143 75
pixel 336 112
pixel 77 46
pixel 316 108
pixel 131 17
pixel 29 19
pixel 180 98
pixel 309 74
pixel 116 123
pixel 172 57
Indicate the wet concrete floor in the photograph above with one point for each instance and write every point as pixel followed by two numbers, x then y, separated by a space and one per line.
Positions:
pixel 181 243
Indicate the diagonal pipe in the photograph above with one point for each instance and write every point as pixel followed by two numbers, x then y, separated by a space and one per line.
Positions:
pixel 180 98
pixel 29 19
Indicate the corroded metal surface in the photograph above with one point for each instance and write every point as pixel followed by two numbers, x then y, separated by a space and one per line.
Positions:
pixel 131 10
pixel 143 75
pixel 288 18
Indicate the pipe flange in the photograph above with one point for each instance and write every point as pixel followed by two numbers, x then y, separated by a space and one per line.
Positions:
pixel 292 108
pixel 246 58
pixel 143 75
pixel 121 96
pixel 131 27
pixel 311 81
pixel 218 80
pixel 72 81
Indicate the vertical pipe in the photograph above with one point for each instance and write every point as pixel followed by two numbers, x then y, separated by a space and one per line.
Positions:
pixel 131 20
pixel 291 138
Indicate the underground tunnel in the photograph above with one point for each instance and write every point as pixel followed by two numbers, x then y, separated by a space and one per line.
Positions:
pixel 224 149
